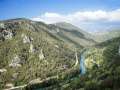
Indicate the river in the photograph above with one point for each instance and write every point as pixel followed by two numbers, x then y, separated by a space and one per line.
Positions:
pixel 82 64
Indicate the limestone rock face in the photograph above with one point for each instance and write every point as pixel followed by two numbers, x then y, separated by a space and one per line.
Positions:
pixel 32 49
pixel 15 62
pixel 119 50
pixel 9 85
pixel 56 46
pixel 6 34
pixel 41 55
pixel 15 75
pixel 26 39
pixel 3 70
pixel 2 25
pixel 65 66
pixel 38 80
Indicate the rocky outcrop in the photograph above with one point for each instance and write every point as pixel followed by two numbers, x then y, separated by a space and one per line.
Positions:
pixel 38 80
pixel 119 50
pixel 2 25
pixel 56 46
pixel 41 55
pixel 76 63
pixel 9 85
pixel 5 34
pixel 32 49
pixel 65 66
pixel 16 62
pixel 3 70
pixel 26 39
pixel 14 76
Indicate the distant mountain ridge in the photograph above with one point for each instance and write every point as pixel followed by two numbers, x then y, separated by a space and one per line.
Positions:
pixel 106 35
pixel 71 34
pixel 74 34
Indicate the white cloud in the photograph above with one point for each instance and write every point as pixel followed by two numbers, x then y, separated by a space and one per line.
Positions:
pixel 114 15
pixel 80 17
pixel 51 18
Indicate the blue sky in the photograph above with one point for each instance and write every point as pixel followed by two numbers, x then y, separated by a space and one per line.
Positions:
pixel 45 9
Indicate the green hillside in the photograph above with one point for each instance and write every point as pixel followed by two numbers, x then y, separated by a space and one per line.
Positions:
pixel 103 73
pixel 28 51
pixel 39 56
pixel 75 34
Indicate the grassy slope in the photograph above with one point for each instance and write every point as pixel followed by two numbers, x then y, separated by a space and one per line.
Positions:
pixel 72 34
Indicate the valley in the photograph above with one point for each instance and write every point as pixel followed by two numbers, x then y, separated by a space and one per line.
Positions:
pixel 59 56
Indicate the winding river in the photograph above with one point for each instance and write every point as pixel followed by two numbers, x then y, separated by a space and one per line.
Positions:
pixel 82 62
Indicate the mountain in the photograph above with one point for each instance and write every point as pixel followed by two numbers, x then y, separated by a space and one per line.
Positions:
pixel 35 55
pixel 72 34
pixel 106 35
pixel 28 50
pixel 24 42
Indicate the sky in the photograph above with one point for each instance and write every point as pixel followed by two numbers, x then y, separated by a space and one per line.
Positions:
pixel 90 15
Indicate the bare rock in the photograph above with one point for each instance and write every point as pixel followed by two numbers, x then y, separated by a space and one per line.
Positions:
pixel 15 62
pixel 65 66
pixel 32 49
pixel 56 46
pixel 41 55
pixel 26 39
pixel 38 80
pixel 3 70
pixel 7 34
pixel 2 25
pixel 9 85
pixel 119 50
pixel 15 75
